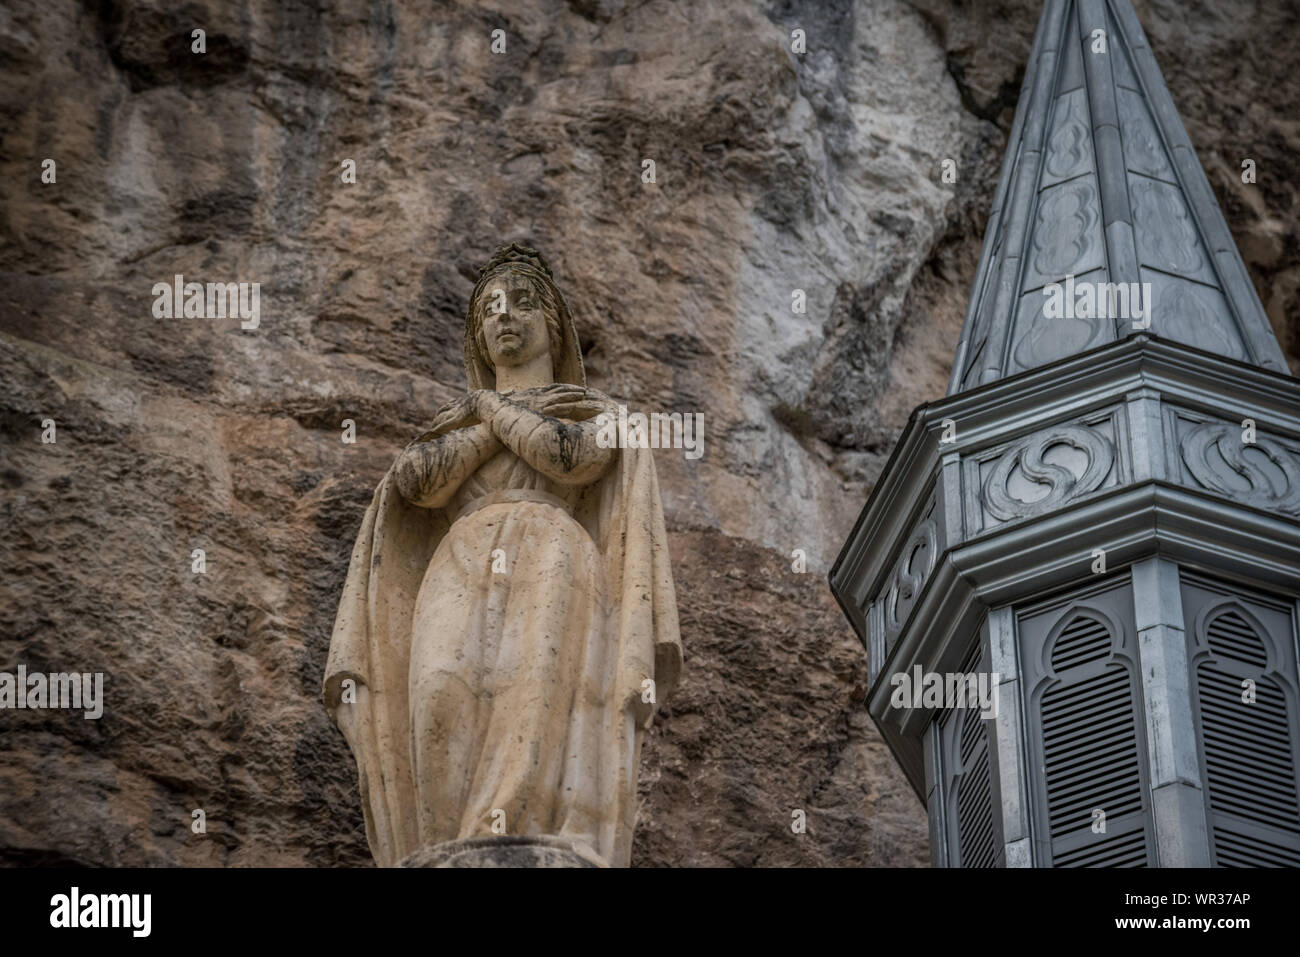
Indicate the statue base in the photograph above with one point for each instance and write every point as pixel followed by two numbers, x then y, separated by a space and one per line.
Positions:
pixel 505 851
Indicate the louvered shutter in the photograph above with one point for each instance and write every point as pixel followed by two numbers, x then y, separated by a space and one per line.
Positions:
pixel 975 832
pixel 1087 733
pixel 1248 749
pixel 974 793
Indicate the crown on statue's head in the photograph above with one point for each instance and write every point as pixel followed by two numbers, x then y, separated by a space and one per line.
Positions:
pixel 516 253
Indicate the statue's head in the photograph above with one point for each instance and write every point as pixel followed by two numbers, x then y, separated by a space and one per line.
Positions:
pixel 515 319
pixel 516 314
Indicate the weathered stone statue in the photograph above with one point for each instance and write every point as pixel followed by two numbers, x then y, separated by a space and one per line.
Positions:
pixel 508 621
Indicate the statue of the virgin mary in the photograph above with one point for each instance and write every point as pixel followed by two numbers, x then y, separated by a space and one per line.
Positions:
pixel 508 623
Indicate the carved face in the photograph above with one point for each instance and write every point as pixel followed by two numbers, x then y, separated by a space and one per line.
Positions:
pixel 514 327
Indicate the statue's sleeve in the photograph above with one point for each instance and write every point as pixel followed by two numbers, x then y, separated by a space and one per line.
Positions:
pixel 428 473
pixel 567 453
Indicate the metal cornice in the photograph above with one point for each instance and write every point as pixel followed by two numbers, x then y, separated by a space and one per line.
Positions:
pixel 1011 407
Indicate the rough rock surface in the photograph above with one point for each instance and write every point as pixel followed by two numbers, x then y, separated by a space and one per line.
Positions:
pixel 775 172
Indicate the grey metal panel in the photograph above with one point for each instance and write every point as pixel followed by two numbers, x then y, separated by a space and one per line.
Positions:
pixel 1019 853
pixel 1158 615
pixel 1258 332
pixel 875 644
pixel 1178 811
pixel 934 801
pixel 1010 765
pixel 1146 435
pixel 1068 155
pixel 953 523
pixel 1186 309
pixel 1177 806
pixel 1121 250
pixel 1009 734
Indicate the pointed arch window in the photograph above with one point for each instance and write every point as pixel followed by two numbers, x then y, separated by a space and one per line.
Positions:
pixel 973 812
pixel 1245 705
pixel 1086 728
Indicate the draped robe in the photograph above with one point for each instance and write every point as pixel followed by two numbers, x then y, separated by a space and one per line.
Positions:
pixel 506 642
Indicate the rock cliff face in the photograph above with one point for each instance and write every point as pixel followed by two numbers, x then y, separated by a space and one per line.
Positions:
pixel 774 172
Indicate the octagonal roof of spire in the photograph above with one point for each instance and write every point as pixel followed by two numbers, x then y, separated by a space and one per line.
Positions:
pixel 1100 184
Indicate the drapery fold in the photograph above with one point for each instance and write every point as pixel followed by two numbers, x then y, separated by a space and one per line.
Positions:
pixel 371 643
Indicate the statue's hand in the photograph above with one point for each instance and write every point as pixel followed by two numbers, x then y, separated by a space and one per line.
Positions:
pixel 561 400
pixel 458 415
pixel 585 404
pixel 484 402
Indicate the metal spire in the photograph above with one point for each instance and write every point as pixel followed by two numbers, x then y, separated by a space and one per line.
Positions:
pixel 1101 185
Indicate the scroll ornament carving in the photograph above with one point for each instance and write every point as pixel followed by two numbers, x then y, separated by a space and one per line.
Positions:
pixel 915 564
pixel 1063 484
pixel 1145 152
pixel 1065 223
pixel 1049 339
pixel 1070 146
pixel 1167 228
pixel 1184 317
pixel 1213 451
